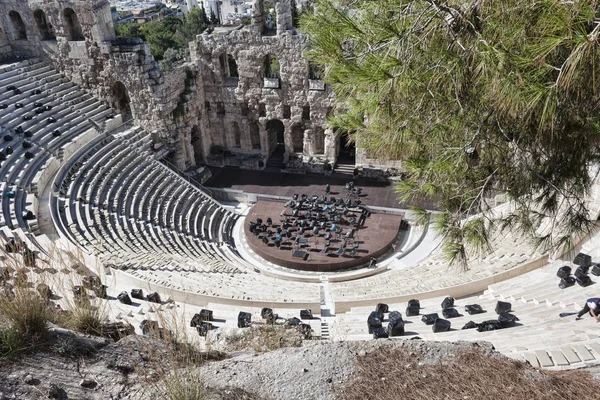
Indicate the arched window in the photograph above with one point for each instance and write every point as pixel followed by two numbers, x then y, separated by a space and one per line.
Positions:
pixel 43 25
pixel 233 69
pixel 120 100
pixel 196 141
pixel 319 141
pixel 276 131
pixel 19 30
pixel 272 68
pixel 297 138
pixel 237 136
pixel 254 136
pixel 306 112
pixel 73 30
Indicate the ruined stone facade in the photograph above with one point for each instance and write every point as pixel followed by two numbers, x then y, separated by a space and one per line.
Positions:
pixel 246 98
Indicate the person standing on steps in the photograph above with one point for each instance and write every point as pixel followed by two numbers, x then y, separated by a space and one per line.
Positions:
pixel 592 306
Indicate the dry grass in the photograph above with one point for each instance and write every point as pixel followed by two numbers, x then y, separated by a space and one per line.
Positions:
pixel 263 338
pixel 27 315
pixel 183 385
pixel 174 359
pixel 394 373
pixel 86 318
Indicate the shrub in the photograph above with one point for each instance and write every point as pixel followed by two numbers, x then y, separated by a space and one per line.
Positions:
pixel 27 313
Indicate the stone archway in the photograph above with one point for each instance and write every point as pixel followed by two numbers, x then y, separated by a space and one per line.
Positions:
pixel 196 142
pixel 237 135
pixel 72 27
pixel 276 131
pixel 44 27
pixel 346 150
pixel 297 133
pixel 318 141
pixel 120 100
pixel 276 143
pixel 254 135
pixel 19 29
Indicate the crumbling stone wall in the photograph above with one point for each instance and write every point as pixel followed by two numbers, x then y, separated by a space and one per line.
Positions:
pixel 17 41
pixel 197 110
pixel 90 56
pixel 250 100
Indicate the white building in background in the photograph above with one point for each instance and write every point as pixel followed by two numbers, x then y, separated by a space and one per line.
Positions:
pixel 229 12
pixel 234 11
pixel 132 5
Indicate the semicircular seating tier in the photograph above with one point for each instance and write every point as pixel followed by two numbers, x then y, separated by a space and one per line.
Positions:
pixel 433 276
pixel 116 200
pixel 43 116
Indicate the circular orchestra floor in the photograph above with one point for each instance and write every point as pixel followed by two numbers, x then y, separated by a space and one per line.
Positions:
pixel 306 251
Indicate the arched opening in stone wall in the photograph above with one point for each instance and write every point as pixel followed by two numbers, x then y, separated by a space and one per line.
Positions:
pixel 276 146
pixel 272 67
pixel 19 30
pixel 44 27
pixel 120 100
pixel 232 65
pixel 297 138
pixel 306 113
pixel 73 30
pixel 319 141
pixel 347 150
pixel 237 135
pixel 276 130
pixel 196 141
pixel 254 135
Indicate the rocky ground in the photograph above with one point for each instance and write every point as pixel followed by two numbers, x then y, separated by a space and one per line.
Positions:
pixel 82 367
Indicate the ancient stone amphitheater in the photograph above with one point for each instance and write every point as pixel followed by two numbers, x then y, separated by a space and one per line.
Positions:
pixel 83 188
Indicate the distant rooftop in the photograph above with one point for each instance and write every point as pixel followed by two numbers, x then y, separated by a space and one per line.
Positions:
pixel 131 5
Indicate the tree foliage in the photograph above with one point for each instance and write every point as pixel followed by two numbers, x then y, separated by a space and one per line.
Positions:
pixel 194 23
pixel 478 98
pixel 170 33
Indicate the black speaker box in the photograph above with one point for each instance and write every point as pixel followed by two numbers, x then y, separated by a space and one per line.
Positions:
pixel 429 319
pixel 266 313
pixel 507 320
pixel 153 297
pixel 490 325
pixel 450 313
pixel 206 315
pixel 473 309
pixel 469 325
pixel 394 316
pixel 382 308
pixel 203 328
pixel 581 271
pixel 441 325
pixel 374 321
pixel 124 298
pixel 244 319
pixel 584 281
pixel 380 333
pixel 412 311
pixel 502 306
pixel 448 302
pixel 566 282
pixel 582 259
pixel 414 303
pixel 396 328
pixel 195 321
pixel 563 272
